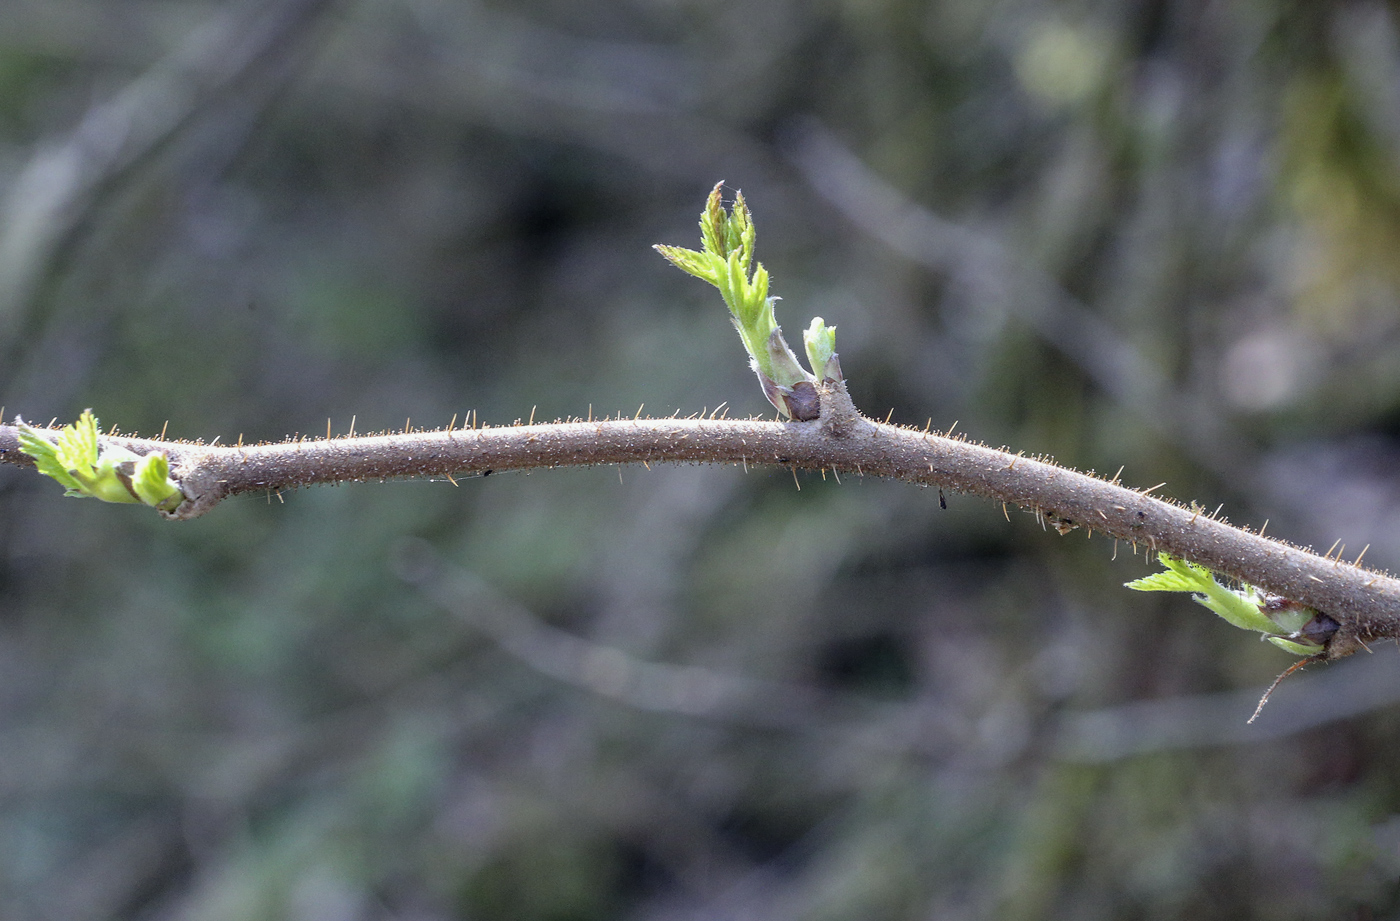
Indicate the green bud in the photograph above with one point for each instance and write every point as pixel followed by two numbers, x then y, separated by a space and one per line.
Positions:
pixel 820 341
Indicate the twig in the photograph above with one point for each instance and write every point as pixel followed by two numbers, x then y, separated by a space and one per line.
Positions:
pixel 1365 603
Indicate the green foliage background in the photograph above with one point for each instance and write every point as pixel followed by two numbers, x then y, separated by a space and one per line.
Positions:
pixel 1162 235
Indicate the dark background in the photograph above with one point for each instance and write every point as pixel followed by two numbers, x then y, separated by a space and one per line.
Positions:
pixel 1161 236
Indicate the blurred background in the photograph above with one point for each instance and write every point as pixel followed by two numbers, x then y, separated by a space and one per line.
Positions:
pixel 1162 236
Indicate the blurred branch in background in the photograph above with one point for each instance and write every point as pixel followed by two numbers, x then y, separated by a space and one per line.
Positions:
pixel 685 690
pixel 238 59
pixel 1111 734
pixel 647 103
pixel 1301 704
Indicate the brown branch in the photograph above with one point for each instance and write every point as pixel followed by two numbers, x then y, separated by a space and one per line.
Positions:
pixel 1365 603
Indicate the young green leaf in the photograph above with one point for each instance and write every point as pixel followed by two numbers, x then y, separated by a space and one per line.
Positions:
pixel 1297 647
pixel 109 472
pixel 150 480
pixel 726 261
pixel 1284 625
pixel 54 458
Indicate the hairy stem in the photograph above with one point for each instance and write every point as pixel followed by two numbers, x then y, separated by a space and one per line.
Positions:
pixel 1365 603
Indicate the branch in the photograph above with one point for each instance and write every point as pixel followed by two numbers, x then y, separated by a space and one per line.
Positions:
pixel 1313 606
pixel 1364 603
